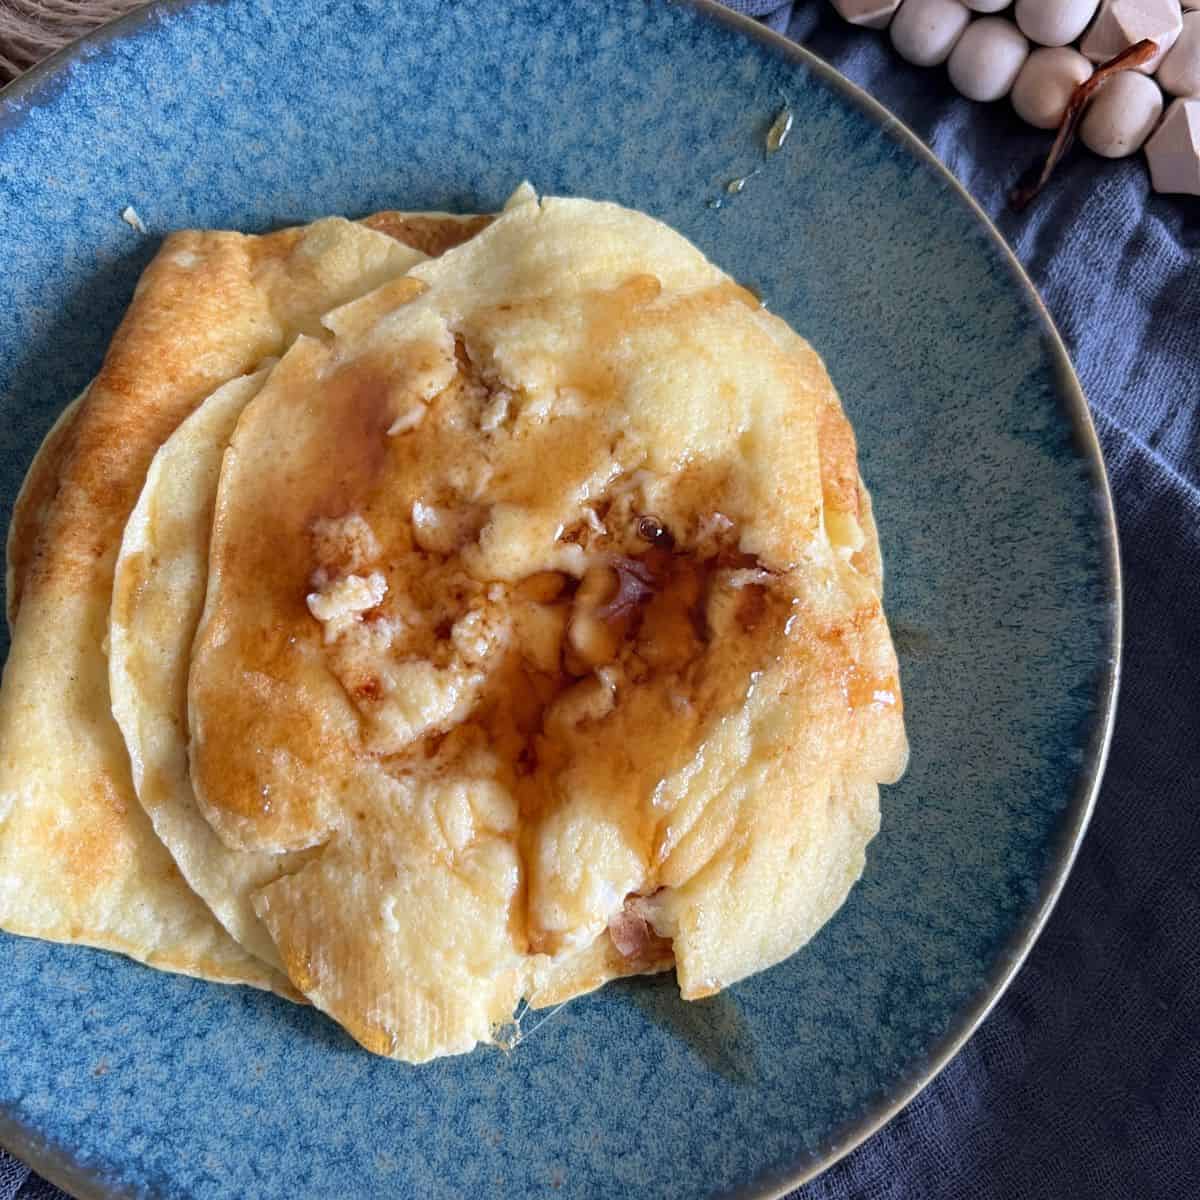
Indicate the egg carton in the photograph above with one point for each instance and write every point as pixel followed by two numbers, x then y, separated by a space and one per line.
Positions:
pixel 1040 52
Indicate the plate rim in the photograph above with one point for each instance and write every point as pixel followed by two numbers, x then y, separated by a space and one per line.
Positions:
pixel 1078 813
pixel 57 1167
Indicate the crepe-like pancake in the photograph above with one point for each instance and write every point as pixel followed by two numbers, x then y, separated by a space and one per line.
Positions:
pixel 158 592
pixel 543 614
pixel 31 505
pixel 429 233
pixel 79 861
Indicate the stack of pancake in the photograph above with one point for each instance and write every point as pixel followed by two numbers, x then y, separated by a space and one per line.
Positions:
pixel 429 615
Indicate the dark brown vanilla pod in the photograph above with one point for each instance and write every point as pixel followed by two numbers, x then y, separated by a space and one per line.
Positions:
pixel 1137 54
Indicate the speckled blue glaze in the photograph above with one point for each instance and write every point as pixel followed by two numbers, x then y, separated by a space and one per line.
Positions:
pixel 117 1080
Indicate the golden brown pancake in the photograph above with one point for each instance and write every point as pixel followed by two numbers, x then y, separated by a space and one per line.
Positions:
pixel 543 617
pixel 429 233
pixel 158 592
pixel 31 505
pixel 79 861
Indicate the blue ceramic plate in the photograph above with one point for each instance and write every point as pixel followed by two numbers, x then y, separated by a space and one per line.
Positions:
pixel 994 516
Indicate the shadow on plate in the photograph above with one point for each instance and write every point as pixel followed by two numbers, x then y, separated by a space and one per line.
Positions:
pixel 715 1030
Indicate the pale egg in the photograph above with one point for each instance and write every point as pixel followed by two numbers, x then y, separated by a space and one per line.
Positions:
pixel 987 58
pixel 1054 22
pixel 1122 115
pixel 1045 84
pixel 925 31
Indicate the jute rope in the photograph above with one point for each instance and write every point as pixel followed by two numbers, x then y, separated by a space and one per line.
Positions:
pixel 32 29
